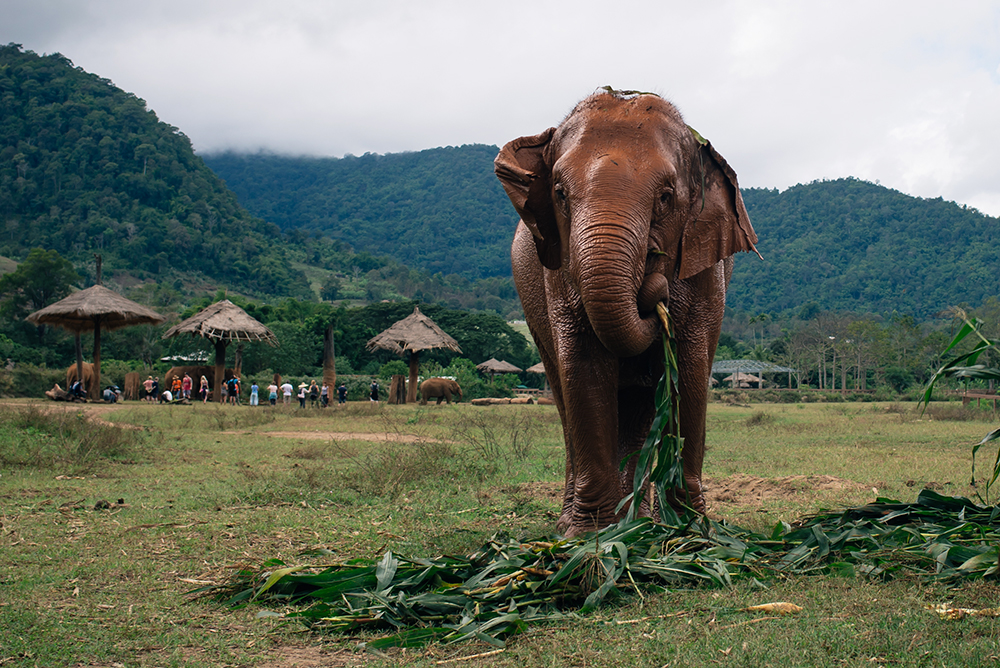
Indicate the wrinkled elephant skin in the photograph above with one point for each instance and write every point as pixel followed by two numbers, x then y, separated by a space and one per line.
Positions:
pixel 441 388
pixel 622 206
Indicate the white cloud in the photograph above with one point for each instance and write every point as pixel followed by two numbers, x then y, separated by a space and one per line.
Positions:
pixel 901 92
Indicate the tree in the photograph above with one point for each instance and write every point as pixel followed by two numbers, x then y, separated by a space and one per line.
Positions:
pixel 43 277
pixel 332 288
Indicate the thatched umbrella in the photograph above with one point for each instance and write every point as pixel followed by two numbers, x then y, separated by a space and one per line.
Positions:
pixel 221 323
pixel 413 333
pixel 95 308
pixel 494 366
pixel 743 379
pixel 539 368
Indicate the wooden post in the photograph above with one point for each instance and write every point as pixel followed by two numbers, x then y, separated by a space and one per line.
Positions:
pixel 411 387
pixel 397 389
pixel 238 362
pixel 329 362
pixel 94 392
pixel 79 360
pixel 220 370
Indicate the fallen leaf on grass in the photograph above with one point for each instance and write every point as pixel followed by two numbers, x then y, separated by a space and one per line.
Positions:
pixel 945 611
pixel 779 607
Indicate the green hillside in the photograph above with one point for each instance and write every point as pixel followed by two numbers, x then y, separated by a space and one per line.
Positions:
pixel 87 168
pixel 441 209
pixel 856 246
pixel 845 244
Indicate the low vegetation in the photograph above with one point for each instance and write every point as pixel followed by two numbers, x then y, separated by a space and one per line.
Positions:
pixel 190 504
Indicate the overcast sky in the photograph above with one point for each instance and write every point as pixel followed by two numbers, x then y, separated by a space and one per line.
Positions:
pixel 906 93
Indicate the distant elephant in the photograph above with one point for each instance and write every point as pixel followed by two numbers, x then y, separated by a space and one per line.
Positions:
pixel 442 388
pixel 622 206
pixel 88 378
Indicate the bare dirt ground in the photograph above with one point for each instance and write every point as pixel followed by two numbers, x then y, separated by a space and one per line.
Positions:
pixel 742 490
pixel 96 410
pixel 313 656
pixel 344 436
pixel 751 490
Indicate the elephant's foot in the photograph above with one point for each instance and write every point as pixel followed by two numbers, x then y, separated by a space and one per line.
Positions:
pixel 576 521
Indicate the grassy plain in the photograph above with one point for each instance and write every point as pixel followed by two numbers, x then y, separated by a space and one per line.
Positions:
pixel 106 531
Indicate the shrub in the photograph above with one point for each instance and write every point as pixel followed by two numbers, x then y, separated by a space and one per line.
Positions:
pixel 759 419
pixel 32 436
pixel 28 380
pixel 390 469
pixel 899 378
pixel 499 437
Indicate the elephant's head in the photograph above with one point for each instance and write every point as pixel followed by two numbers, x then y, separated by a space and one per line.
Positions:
pixel 455 388
pixel 625 198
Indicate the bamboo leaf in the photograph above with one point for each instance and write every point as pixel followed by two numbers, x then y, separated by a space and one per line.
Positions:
pixel 275 577
pixel 385 572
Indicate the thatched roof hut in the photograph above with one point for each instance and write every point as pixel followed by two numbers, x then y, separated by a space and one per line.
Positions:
pixel 413 333
pixel 740 379
pixel 221 323
pixel 494 366
pixel 224 321
pixel 94 309
pixel 539 368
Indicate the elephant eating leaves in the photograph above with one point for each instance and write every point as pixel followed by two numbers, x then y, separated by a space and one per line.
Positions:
pixel 622 206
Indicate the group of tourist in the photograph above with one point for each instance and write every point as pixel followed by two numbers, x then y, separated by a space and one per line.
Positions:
pixel 318 395
pixel 181 388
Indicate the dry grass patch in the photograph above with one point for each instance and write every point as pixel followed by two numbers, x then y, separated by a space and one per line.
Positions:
pixel 200 503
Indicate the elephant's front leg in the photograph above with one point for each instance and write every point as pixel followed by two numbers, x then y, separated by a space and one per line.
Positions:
pixel 698 311
pixel 589 379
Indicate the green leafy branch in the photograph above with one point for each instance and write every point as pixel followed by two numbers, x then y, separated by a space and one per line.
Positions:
pixel 659 460
pixel 965 366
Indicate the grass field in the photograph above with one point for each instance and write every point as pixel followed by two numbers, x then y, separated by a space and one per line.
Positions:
pixel 110 516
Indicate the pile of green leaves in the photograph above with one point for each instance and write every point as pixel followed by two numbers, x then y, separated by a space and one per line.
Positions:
pixel 508 584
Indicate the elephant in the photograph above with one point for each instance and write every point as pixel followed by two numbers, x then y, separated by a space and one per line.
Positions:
pixel 622 206
pixel 442 388
pixel 88 378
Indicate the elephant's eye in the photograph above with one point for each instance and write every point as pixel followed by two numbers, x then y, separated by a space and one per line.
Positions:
pixel 560 193
pixel 666 196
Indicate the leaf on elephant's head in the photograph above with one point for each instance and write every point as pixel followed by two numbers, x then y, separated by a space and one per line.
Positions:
pixel 697 136
pixel 624 94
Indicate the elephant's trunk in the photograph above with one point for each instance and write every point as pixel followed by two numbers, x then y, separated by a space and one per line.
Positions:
pixel 619 298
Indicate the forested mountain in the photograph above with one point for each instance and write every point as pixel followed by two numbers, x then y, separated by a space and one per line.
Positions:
pixel 851 245
pixel 87 168
pixel 845 244
pixel 441 209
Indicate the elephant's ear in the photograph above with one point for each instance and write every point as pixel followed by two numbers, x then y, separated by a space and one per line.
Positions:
pixel 720 226
pixel 527 179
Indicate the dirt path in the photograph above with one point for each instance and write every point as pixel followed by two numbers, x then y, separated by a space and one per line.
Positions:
pixel 343 436
pixel 93 410
pixel 97 410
